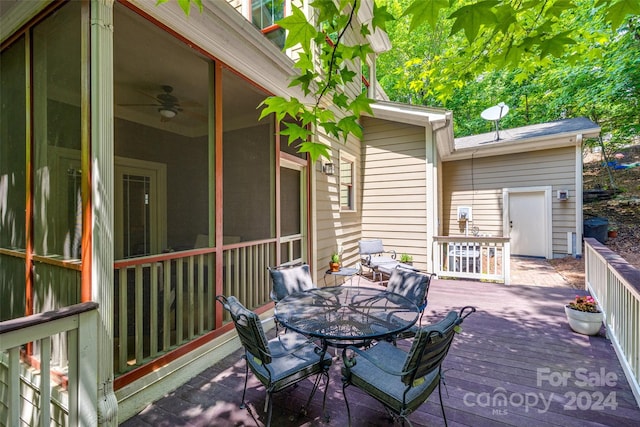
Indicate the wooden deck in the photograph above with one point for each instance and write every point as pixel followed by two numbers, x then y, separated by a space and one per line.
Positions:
pixel 515 363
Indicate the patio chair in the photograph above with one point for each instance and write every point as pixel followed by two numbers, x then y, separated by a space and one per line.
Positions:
pixel 372 255
pixel 280 362
pixel 413 285
pixel 401 391
pixel 287 279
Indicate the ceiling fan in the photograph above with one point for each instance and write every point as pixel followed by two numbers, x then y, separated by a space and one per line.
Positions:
pixel 168 105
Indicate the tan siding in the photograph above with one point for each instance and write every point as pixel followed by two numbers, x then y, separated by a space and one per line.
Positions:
pixel 393 187
pixel 479 183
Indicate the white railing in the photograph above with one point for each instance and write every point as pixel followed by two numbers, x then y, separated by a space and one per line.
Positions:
pixel 35 393
pixel 615 285
pixel 472 257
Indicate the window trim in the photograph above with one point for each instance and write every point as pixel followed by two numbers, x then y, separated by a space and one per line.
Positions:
pixel 348 158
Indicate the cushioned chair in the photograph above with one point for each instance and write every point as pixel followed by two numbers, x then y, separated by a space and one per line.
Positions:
pixel 287 279
pixel 377 371
pixel 413 285
pixel 280 362
pixel 372 255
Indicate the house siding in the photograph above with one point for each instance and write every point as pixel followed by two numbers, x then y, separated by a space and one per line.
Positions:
pixel 393 197
pixel 479 183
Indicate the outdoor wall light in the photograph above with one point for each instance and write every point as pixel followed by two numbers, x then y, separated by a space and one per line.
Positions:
pixel 328 168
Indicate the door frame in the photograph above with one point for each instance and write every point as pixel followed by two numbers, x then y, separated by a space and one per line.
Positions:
pixel 547 220
pixel 158 203
pixel 301 166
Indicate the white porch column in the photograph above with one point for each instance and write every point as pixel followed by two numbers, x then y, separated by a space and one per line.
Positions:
pixel 101 132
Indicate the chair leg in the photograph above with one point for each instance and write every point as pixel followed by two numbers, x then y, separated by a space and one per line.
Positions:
pixel 246 377
pixel 269 408
pixel 346 402
pixel 444 416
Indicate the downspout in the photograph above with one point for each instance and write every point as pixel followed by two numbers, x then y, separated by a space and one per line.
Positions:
pixel 579 198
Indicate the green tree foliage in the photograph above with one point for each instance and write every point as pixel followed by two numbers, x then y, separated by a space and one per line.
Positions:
pixel 596 74
pixel 462 54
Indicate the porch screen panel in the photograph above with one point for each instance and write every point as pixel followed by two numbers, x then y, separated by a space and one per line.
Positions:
pixel 248 164
pixel 12 178
pixel 57 134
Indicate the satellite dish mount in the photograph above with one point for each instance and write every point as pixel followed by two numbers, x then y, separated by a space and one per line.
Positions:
pixel 494 114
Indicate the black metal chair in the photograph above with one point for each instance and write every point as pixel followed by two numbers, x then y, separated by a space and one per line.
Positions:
pixel 280 362
pixel 413 285
pixel 402 380
pixel 287 279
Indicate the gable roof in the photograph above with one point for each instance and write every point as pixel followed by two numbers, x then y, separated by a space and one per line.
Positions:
pixel 559 133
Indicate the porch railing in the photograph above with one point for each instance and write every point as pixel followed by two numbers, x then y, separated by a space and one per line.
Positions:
pixel 472 257
pixel 164 301
pixel 615 285
pixel 30 393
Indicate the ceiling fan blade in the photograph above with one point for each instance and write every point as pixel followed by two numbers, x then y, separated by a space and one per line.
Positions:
pixel 140 105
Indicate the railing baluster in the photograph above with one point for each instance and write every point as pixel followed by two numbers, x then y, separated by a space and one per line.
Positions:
pixel 139 302
pixel 153 310
pixel 123 321
pixel 200 294
pixel 179 300
pixel 166 306
pixel 45 381
pixel 191 297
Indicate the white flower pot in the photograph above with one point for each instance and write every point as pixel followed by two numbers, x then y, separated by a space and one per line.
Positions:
pixel 583 322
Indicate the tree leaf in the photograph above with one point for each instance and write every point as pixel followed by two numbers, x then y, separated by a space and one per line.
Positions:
pixel 362 103
pixel 425 10
pixel 295 132
pixel 315 150
pixel 349 124
pixel 618 11
pixel 471 17
pixel 381 17
pixel 555 45
pixel 299 30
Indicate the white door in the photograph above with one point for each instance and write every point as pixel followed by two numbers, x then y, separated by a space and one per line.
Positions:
pixel 528 223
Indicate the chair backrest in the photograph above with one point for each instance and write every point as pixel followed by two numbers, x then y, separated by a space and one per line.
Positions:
pixel 287 280
pixel 370 247
pixel 249 328
pixel 430 346
pixel 412 285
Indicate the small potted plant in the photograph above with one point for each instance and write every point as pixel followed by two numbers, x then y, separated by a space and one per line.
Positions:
pixel 613 232
pixel 584 315
pixel 334 263
pixel 406 259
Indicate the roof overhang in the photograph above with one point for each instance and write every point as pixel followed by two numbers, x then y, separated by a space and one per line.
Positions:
pixel 524 139
pixel 438 120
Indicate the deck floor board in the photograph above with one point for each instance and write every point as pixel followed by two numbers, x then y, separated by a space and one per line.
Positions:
pixel 517 339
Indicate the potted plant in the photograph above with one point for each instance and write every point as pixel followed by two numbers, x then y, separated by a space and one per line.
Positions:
pixel 334 264
pixel 613 232
pixel 584 315
pixel 406 259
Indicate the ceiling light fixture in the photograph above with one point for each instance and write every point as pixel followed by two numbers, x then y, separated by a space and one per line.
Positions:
pixel 167 113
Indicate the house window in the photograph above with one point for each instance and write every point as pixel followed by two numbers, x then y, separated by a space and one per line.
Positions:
pixel 265 14
pixel 347 182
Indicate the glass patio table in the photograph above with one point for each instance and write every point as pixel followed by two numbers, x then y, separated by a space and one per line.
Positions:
pixel 341 316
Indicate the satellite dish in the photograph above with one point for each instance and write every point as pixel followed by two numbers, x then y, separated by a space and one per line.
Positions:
pixel 494 114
